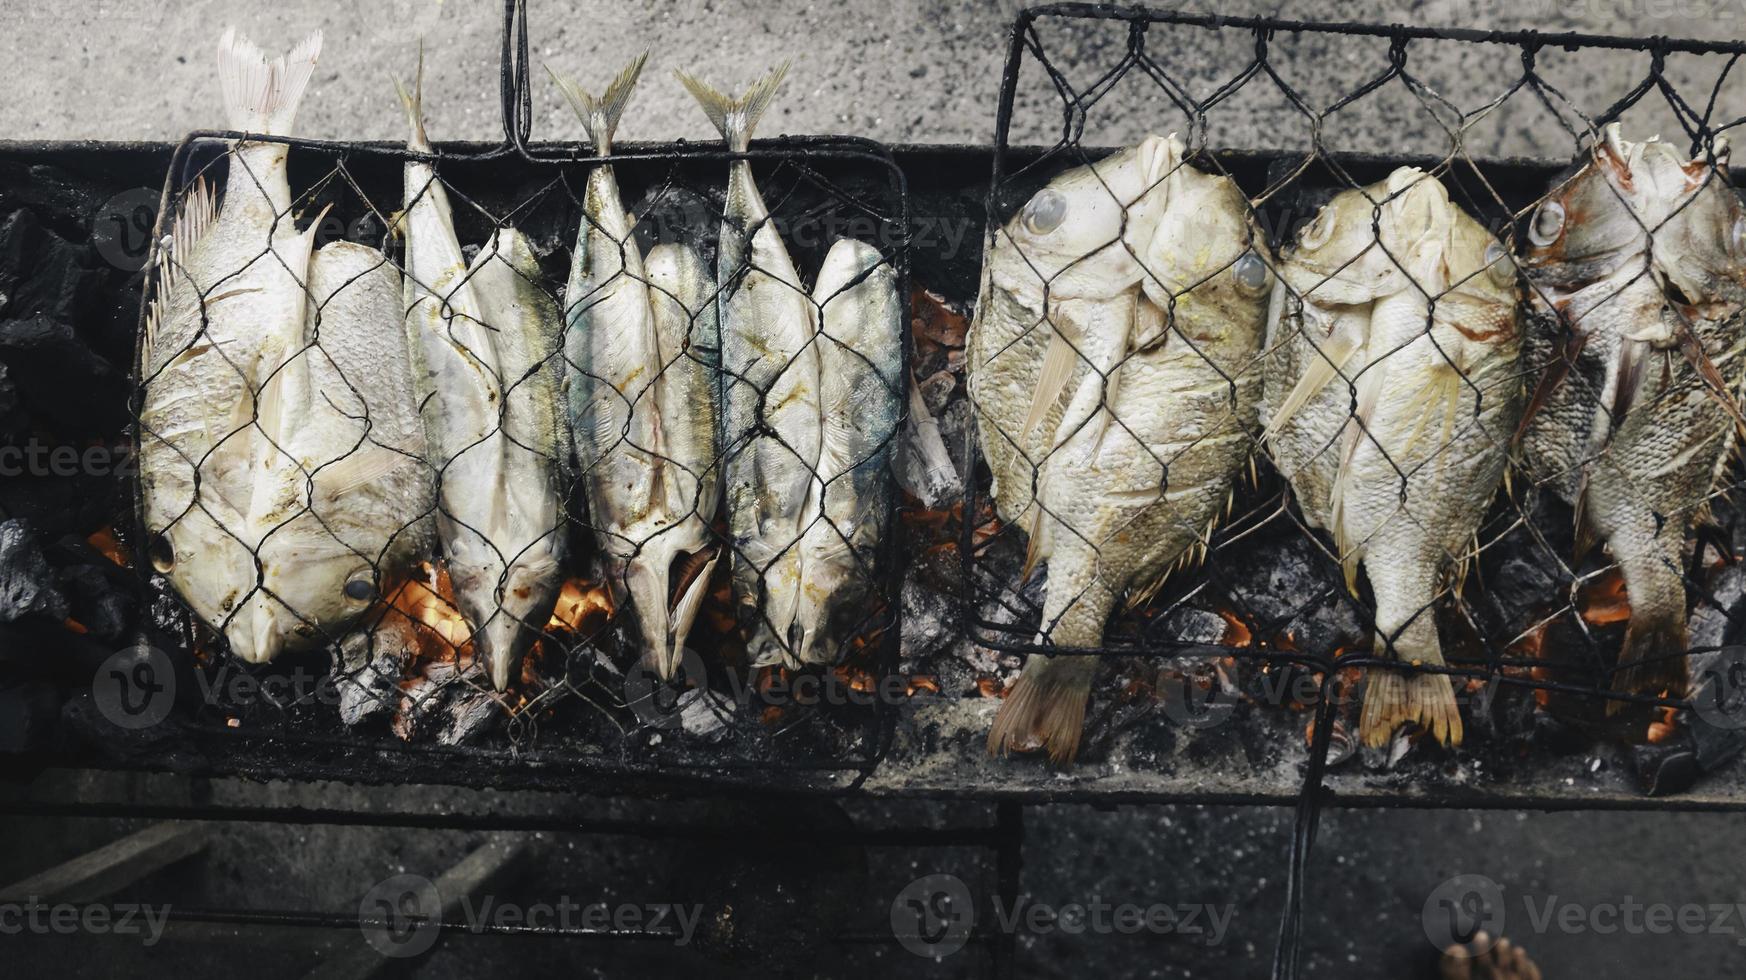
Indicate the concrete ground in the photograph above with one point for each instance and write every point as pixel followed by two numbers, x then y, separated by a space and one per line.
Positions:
pixel 896 70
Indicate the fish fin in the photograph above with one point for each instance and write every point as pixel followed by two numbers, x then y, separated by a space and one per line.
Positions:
pixel 1585 533
pixel 195 216
pixel 1394 698
pixel 735 118
pixel 1057 369
pixel 1629 371
pixel 363 466
pixel 1693 349
pixel 600 117
pixel 1033 543
pixel 685 612
pixel 1344 547
pixel 1047 705
pixel 1555 374
pixel 413 103
pixel 260 94
pixel 1652 659
pixel 1328 363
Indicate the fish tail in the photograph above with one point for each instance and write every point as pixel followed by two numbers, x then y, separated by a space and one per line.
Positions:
pixel 600 116
pixel 1047 705
pixel 1394 698
pixel 1652 659
pixel 413 102
pixel 260 93
pixel 735 118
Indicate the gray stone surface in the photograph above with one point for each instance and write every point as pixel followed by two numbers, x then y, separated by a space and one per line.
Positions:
pixel 901 70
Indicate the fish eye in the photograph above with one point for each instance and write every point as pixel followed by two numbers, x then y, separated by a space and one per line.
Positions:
pixel 1250 271
pixel 1737 237
pixel 1498 264
pixel 163 555
pixel 1548 224
pixel 304 630
pixel 1045 212
pixel 361 588
pixel 1318 232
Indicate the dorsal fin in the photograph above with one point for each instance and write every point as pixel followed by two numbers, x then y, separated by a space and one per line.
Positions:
pixel 193 219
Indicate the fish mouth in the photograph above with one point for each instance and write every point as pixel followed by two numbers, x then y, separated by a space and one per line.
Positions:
pixel 256 634
pixel 501 644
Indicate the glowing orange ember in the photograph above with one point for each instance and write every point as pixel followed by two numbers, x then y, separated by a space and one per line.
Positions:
pixel 1605 602
pixel 108 545
pixel 1236 631
pixel 583 606
pixel 924 683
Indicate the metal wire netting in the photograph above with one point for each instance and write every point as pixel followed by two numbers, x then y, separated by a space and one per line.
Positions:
pixel 1372 407
pixel 390 404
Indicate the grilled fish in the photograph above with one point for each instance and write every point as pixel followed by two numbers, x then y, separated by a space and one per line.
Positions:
pixel 771 426
pixel 1048 277
pixel 1390 415
pixel 861 377
pixel 228 309
pixel 487 335
pixel 640 387
pixel 1638 268
pixel 1141 460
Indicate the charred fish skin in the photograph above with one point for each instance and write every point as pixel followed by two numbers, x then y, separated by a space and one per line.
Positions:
pixel 861 320
pixel 1638 272
pixel 770 401
pixel 1046 275
pixel 1391 416
pixel 487 334
pixel 1148 446
pixel 227 309
pixel 343 491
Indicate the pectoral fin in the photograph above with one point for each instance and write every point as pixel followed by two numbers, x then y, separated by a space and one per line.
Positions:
pixel 1324 366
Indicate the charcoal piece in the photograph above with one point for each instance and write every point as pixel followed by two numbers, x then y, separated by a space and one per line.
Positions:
pixel 1717 721
pixel 1668 768
pixel 47 360
pixel 27 583
pixel 368 670
pixel 102 593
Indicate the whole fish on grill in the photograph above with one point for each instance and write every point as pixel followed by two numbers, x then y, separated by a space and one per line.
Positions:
pixel 343 488
pixel 1391 415
pixel 1638 269
pixel 228 309
pixel 771 426
pixel 1048 278
pixel 487 333
pixel 862 396
pixel 1140 461
pixel 641 389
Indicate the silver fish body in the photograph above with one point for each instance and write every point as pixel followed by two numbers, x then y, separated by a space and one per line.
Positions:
pixel 1149 440
pixel 1638 265
pixel 770 390
pixel 488 336
pixel 1392 416
pixel 228 308
pixel 641 390
pixel 862 387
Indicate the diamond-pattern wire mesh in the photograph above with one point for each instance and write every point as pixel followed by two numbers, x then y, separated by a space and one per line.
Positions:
pixel 1433 472
pixel 400 535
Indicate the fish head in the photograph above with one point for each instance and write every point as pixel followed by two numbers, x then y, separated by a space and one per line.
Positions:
pixel 213 571
pixel 1374 241
pixel 311 587
pixel 1643 228
pixel 1207 266
pixel 1080 236
pixel 507 605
